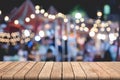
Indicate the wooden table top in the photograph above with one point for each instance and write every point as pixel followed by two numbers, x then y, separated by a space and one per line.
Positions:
pixel 59 70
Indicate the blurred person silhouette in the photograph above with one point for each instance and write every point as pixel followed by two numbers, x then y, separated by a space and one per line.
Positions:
pixel 50 56
pixel 113 50
pixel 90 50
pixel 44 47
pixel 22 54
pixel 2 52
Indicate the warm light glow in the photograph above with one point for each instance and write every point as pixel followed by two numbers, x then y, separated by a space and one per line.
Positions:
pixel 103 24
pixel 64 37
pixel 86 29
pixel 60 14
pixel 98 21
pixel 92 34
pixel 37 38
pixel 16 22
pixel 27 19
pixel 72 26
pixel 108 29
pixel 42 11
pixel 83 24
pixel 37 11
pixel 0 12
pixel 81 29
pixel 77 27
pixel 46 14
pixel 78 15
pixel 112 37
pixel 47 26
pixel 32 16
pixel 95 25
pixel 65 20
pixel 37 7
pixel 99 13
pixel 51 16
pixel 41 33
pixel 101 36
pixel 82 20
pixel 6 18
pixel 77 21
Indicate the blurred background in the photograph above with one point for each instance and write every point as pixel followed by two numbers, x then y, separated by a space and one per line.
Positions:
pixel 59 30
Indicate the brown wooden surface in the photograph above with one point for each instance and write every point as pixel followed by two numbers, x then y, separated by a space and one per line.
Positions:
pixel 59 70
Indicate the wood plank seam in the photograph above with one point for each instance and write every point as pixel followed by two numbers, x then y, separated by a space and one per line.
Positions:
pixel 41 70
pixel 12 69
pixel 21 69
pixel 83 71
pixel 103 69
pixel 6 70
pixel 47 68
pixel 97 69
pixel 72 70
pixel 51 71
pixel 25 76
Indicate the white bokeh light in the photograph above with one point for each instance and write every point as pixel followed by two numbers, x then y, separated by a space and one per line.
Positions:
pixel 41 33
pixel 37 38
pixel 26 33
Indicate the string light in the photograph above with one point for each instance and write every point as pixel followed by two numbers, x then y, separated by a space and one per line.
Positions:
pixel 37 7
pixel 77 27
pixel 32 16
pixel 0 12
pixel 46 14
pixel 6 18
pixel 37 11
pixel 65 20
pixel 42 11
pixel 41 33
pixel 99 13
pixel 16 22
pixel 83 24
pixel 27 19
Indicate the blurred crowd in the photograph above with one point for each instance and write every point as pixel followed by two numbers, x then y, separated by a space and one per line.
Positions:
pixel 45 50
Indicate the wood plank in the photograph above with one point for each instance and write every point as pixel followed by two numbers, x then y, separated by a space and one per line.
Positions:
pixel 67 71
pixel 34 72
pixel 7 68
pixel 115 66
pixel 78 71
pixel 99 71
pixel 9 75
pixel 1 62
pixel 46 71
pixel 113 74
pixel 4 64
pixel 20 74
pixel 91 75
pixel 56 73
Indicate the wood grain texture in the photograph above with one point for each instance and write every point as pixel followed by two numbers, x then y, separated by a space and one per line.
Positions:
pixel 20 74
pixel 59 70
pixel 67 71
pixel 9 75
pixel 113 74
pixel 99 71
pixel 90 73
pixel 7 68
pixel 33 73
pixel 45 74
pixel 56 73
pixel 78 71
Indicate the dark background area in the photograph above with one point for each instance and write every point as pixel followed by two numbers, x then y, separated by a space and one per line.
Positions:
pixel 64 6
